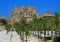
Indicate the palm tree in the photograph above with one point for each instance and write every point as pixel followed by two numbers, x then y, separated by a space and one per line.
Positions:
pixel 3 21
pixel 26 31
pixel 34 22
pixel 37 26
pixel 56 21
pixel 53 24
pixel 17 27
pixel 26 28
pixel 20 27
pixel 43 22
pixel 8 28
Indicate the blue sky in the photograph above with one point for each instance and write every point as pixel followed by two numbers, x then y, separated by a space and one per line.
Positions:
pixel 41 6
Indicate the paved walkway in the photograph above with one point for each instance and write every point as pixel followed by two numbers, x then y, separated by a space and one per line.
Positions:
pixel 15 37
pixel 7 37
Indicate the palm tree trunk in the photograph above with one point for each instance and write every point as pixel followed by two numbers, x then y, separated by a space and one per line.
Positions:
pixel 38 37
pixel 56 32
pixel 22 36
pixel 44 34
pixel 11 37
pixel 26 38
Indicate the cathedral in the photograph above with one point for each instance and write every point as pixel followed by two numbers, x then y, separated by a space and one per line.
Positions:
pixel 27 12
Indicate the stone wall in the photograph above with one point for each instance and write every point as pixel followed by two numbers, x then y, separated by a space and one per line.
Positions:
pixel 2 27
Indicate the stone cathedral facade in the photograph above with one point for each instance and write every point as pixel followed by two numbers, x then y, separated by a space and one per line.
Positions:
pixel 27 12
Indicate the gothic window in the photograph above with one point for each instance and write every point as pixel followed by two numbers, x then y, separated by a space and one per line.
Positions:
pixel 26 14
pixel 30 14
pixel 11 16
pixel 20 12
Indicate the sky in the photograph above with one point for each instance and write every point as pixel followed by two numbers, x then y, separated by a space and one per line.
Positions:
pixel 41 6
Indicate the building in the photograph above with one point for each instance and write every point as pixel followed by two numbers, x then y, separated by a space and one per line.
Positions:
pixel 18 13
pixel 48 15
pixel 27 12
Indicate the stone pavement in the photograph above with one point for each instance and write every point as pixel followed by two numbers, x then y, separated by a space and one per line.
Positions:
pixel 6 37
pixel 15 37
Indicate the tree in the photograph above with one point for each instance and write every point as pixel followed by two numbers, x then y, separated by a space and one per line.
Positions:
pixel 37 26
pixel 56 22
pixel 8 28
pixel 27 31
pixel 43 23
pixel 22 27
pixel 3 21
pixel 34 21
pixel 17 27
pixel 25 27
